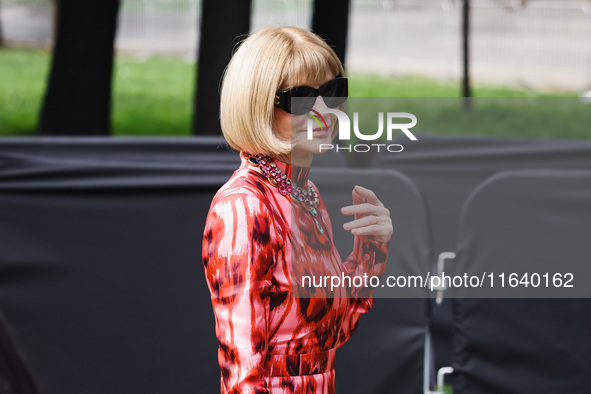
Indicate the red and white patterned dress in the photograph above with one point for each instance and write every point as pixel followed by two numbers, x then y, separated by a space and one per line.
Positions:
pixel 269 341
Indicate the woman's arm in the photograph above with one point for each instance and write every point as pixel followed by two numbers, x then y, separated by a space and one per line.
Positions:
pixel 368 258
pixel 238 257
pixel 369 255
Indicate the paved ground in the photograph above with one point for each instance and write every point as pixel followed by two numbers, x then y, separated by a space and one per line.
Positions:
pixel 548 44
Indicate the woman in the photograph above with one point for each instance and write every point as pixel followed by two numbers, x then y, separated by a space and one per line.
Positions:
pixel 264 229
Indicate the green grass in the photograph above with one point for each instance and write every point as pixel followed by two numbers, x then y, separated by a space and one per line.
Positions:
pixel 150 97
pixel 23 74
pixel 363 85
pixel 154 96
pixel 516 117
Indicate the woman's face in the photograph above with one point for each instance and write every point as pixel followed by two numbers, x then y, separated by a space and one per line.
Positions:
pixel 294 128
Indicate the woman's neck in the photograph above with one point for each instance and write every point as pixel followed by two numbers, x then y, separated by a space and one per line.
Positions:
pixel 295 167
pixel 297 158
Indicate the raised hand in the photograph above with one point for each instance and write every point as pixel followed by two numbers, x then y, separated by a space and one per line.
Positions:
pixel 371 217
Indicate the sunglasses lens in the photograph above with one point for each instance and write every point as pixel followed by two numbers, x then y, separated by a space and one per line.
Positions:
pixel 305 99
pixel 335 92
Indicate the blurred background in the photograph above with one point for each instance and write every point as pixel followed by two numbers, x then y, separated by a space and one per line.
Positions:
pixel 394 48
pixel 152 68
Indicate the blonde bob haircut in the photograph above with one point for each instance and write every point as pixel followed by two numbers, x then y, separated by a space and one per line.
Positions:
pixel 269 60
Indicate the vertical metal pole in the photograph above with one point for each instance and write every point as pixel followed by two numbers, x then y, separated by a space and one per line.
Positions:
pixel 427 362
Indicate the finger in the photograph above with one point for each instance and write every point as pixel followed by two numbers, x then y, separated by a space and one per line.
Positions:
pixel 369 195
pixel 365 221
pixel 369 220
pixel 375 230
pixel 357 198
pixel 365 209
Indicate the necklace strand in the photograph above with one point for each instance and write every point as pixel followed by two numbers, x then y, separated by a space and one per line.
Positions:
pixel 306 196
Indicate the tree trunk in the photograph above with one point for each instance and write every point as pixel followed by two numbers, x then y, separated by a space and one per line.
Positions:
pixel 223 24
pixel 330 20
pixel 466 91
pixel 78 96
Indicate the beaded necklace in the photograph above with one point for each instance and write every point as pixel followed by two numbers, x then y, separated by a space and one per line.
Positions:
pixel 306 196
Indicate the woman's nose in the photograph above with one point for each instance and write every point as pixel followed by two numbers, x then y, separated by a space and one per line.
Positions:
pixel 319 104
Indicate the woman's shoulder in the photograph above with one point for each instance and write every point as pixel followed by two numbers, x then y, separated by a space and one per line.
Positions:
pixel 246 186
pixel 244 204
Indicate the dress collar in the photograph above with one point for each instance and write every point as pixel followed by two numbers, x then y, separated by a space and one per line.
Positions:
pixel 298 175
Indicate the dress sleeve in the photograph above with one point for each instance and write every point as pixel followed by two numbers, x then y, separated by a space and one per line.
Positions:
pixel 238 257
pixel 368 258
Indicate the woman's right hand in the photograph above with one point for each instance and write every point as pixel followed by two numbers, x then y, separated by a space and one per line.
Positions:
pixel 371 217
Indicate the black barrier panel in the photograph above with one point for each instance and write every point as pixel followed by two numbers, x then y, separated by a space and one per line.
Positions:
pixel 205 151
pixel 385 355
pixel 545 351
pixel 202 150
pixel 100 265
pixel 539 218
pixel 446 168
pixel 386 352
pixel 525 234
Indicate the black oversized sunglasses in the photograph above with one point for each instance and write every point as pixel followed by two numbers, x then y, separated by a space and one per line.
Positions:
pixel 334 93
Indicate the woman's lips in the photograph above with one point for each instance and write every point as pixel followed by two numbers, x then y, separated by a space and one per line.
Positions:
pixel 319 131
